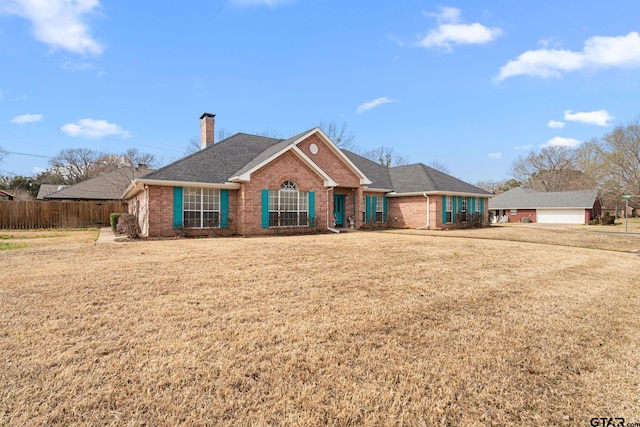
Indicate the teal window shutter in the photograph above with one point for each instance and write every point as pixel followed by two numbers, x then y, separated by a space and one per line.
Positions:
pixel 312 208
pixel 367 209
pixel 374 208
pixel 482 206
pixel 473 206
pixel 224 208
pixel 385 207
pixel 444 209
pixel 177 207
pixel 265 208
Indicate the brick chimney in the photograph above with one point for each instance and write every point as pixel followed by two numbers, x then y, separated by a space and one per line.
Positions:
pixel 207 122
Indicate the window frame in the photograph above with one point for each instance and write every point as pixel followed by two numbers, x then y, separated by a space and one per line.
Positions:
pixel 288 206
pixel 464 209
pixel 449 209
pixel 201 207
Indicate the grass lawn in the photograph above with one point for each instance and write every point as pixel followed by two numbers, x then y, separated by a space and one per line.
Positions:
pixel 500 326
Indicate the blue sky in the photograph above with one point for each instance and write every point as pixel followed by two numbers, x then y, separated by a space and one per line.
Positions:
pixel 468 84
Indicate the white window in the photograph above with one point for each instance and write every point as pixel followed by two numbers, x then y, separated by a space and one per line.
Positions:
pixel 287 206
pixel 380 209
pixel 477 204
pixel 201 208
pixel 463 209
pixel 449 209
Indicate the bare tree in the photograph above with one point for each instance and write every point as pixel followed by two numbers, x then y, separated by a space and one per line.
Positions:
pixel 438 166
pixel 553 169
pixel 339 134
pixel 385 156
pixel 3 154
pixel 621 156
pixel 73 165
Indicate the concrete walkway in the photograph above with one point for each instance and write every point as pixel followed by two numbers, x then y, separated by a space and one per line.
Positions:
pixel 107 236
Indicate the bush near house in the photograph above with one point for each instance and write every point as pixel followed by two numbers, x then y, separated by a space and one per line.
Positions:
pixel 113 220
pixel 128 225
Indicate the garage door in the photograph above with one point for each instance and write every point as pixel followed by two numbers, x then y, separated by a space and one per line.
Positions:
pixel 560 216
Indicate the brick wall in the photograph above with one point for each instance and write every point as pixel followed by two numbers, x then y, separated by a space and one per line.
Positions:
pixel 329 162
pixel 411 212
pixel 270 177
pixel 408 212
pixel 522 213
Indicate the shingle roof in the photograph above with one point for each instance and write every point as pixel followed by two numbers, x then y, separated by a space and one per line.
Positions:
pixel 7 193
pixel 526 198
pixel 108 186
pixel 418 178
pixel 218 162
pixel 377 174
pixel 46 189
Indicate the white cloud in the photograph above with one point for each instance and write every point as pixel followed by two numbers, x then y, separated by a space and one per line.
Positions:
pixel 37 170
pixel 451 31
pixel 373 104
pixel 268 3
pixel 26 118
pixel 600 117
pixel 523 147
pixel 559 141
pixel 555 124
pixel 495 156
pixel 76 66
pixel 90 128
pixel 598 52
pixel 58 23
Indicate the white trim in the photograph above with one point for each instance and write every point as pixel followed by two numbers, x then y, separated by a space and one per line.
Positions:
pixel 440 193
pixel 377 190
pixel 138 184
pixel 246 176
pixel 337 151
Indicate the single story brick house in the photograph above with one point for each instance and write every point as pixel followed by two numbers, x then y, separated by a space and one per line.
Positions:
pixel 254 185
pixel 559 207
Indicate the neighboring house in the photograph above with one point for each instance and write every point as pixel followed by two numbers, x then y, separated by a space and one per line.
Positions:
pixel 559 207
pixel 46 189
pixel 107 186
pixel 254 185
pixel 5 195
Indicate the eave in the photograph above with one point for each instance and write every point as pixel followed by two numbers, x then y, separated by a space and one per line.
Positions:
pixel 138 185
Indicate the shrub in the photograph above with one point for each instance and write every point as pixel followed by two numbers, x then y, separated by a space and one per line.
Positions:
pixel 128 225
pixel 113 220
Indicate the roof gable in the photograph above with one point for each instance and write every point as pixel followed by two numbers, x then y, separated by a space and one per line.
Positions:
pixel 283 146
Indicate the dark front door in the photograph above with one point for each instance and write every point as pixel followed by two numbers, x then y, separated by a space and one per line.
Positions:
pixel 338 209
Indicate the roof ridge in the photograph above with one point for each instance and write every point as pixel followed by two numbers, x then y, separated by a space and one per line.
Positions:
pixel 426 169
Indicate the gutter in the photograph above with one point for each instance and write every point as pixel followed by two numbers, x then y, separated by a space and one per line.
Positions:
pixel 138 184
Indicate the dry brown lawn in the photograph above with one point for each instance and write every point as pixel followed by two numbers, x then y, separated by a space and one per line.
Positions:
pixel 501 326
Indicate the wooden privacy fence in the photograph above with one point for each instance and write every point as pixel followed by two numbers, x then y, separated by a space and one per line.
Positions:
pixel 57 214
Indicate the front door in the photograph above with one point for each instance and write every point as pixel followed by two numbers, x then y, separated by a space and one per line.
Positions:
pixel 338 209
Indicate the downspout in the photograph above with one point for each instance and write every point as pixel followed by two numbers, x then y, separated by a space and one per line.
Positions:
pixel 428 214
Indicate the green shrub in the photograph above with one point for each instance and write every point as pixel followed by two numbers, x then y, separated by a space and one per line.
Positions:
pixel 113 220
pixel 128 225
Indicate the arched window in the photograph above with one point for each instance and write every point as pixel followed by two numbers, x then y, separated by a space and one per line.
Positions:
pixel 288 206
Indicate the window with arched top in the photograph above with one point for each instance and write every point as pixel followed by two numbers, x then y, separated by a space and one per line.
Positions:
pixel 288 206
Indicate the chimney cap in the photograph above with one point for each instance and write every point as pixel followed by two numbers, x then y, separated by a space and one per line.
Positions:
pixel 207 115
